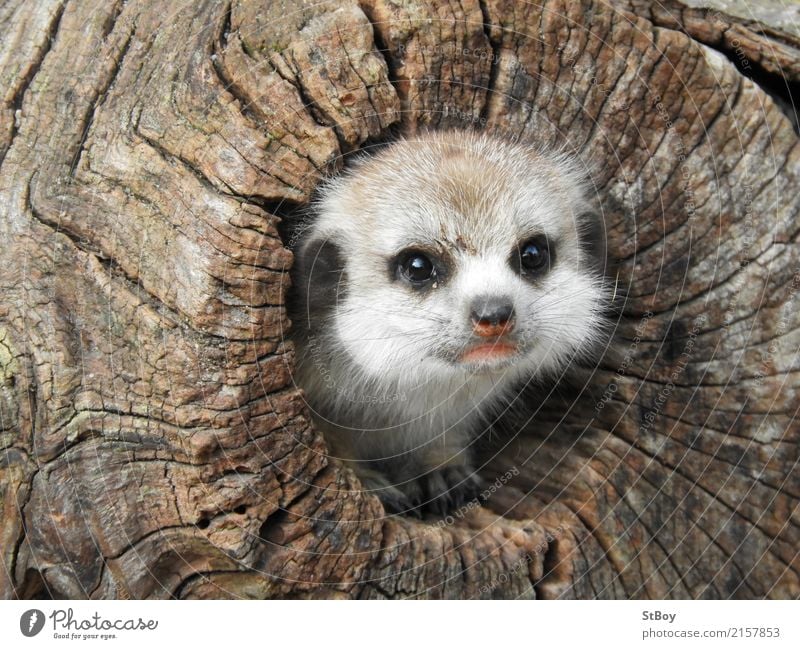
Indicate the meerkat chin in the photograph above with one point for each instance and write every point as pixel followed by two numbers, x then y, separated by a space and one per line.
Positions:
pixel 434 279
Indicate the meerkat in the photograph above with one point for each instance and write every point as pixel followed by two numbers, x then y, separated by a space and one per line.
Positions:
pixel 432 280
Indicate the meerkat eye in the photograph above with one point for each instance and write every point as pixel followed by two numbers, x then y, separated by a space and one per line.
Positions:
pixel 535 256
pixel 416 267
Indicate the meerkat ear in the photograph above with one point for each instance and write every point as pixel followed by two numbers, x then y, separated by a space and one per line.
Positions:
pixel 320 274
pixel 592 236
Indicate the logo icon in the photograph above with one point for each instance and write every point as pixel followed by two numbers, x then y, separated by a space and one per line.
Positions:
pixel 31 622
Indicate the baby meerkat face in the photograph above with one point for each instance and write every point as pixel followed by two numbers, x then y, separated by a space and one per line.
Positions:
pixel 455 254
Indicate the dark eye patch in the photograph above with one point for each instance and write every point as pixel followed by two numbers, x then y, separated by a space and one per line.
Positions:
pixel 592 239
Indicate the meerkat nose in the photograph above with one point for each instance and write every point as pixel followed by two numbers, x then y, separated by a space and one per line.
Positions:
pixel 492 316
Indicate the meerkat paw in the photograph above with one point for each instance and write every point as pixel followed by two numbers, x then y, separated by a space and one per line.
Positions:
pixel 396 498
pixel 449 488
pixel 438 492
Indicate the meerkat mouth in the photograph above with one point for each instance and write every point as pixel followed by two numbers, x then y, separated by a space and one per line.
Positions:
pixel 489 352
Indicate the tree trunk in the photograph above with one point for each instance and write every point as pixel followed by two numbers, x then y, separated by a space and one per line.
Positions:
pixel 153 442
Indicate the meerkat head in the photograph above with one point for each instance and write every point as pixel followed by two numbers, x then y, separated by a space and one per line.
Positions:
pixel 455 255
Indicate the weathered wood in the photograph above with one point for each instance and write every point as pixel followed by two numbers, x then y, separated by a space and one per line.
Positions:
pixel 153 442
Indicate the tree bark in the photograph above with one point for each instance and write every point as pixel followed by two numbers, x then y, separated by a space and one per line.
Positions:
pixel 153 442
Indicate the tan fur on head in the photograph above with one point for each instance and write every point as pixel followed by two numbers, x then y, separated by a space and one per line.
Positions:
pixel 399 372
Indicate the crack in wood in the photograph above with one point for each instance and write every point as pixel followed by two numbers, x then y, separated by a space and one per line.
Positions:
pixel 36 65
